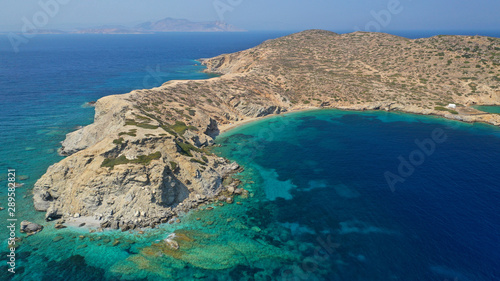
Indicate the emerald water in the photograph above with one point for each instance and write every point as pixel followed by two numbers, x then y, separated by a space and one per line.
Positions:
pixel 488 108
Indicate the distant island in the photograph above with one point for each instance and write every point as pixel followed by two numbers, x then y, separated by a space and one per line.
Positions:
pixel 164 25
pixel 146 157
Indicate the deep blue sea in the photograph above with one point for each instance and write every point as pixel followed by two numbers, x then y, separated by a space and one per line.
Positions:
pixel 322 174
pixel 320 206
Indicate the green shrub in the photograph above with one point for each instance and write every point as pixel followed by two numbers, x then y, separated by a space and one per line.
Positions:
pixel 142 159
pixel 204 158
pixel 131 133
pixel 146 159
pixel 198 161
pixel 179 127
pixel 143 118
pixel 147 126
pixel 441 108
pixel 173 165
pixel 186 148
pixel 130 122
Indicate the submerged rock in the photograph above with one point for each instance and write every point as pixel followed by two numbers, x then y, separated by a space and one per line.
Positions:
pixel 171 242
pixel 57 238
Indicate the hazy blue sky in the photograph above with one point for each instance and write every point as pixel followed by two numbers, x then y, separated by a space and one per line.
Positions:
pixel 334 15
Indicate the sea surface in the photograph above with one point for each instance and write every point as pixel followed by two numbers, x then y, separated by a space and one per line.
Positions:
pixel 488 108
pixel 322 174
pixel 319 205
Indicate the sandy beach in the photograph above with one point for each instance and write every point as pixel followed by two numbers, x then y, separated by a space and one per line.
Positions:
pixel 227 127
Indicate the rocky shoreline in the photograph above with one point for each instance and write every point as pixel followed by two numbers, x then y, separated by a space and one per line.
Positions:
pixel 146 158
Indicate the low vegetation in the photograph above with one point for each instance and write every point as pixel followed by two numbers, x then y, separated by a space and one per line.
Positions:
pixel 131 122
pixel 173 165
pixel 441 108
pixel 118 141
pixel 131 133
pixel 142 159
pixel 179 128
pixel 194 160
pixel 186 148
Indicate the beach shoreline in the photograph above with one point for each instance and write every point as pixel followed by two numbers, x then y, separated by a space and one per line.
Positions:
pixel 231 126
pixel 225 128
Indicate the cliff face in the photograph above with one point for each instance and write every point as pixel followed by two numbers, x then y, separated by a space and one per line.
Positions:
pixel 109 117
pixel 144 159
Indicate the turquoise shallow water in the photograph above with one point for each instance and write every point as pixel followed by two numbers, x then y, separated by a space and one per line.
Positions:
pixel 318 207
pixel 490 109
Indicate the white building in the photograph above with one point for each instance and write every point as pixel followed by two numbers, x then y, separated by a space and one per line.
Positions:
pixel 452 106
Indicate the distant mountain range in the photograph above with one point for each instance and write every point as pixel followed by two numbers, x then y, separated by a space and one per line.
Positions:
pixel 183 25
pixel 164 25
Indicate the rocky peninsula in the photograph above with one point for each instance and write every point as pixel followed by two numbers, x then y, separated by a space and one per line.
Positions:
pixel 146 157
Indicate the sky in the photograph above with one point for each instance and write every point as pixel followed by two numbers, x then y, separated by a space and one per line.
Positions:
pixel 335 15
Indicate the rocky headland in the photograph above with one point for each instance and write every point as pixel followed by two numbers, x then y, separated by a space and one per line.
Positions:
pixel 145 159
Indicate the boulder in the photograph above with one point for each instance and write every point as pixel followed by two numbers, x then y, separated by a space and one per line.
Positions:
pixel 59 226
pixel 115 225
pixel 52 214
pixel 30 227
pixel 106 224
pixel 125 227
